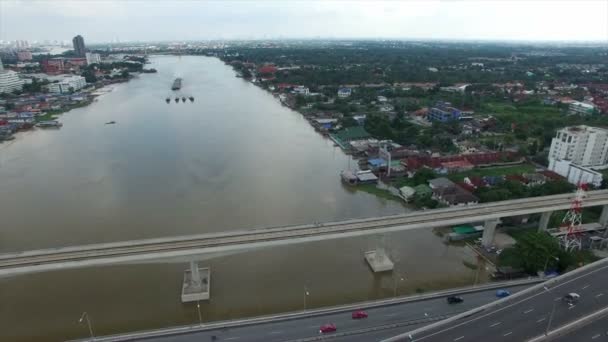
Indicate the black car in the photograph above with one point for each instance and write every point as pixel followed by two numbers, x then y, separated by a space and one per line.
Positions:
pixel 454 299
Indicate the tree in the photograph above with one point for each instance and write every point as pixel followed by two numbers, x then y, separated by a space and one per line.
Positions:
pixel 532 252
pixel 89 76
pixel 125 74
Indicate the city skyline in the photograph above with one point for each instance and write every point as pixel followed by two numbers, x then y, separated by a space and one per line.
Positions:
pixel 107 21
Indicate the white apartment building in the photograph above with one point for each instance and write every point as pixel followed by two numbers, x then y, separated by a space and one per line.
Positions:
pixel 67 82
pixel 93 58
pixel 9 80
pixel 581 108
pixel 581 145
pixel 576 174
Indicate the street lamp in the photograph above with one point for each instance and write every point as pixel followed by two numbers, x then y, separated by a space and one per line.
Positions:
pixel 550 318
pixel 306 294
pixel 200 317
pixel 84 316
pixel 396 284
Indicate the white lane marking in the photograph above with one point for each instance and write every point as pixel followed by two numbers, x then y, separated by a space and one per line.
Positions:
pixel 459 338
pixel 571 307
pixel 507 334
pixel 495 324
pixel 557 298
pixel 391 315
pixel 595 336
pixel 540 320
pixel 512 304
pixel 584 287
pixel 275 332
pixel 231 338
pixel 599 295
pixel 528 311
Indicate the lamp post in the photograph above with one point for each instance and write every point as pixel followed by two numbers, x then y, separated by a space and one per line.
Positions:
pixel 396 284
pixel 550 318
pixel 306 294
pixel 84 316
pixel 200 317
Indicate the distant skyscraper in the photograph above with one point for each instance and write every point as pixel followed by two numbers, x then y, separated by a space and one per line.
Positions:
pixel 79 48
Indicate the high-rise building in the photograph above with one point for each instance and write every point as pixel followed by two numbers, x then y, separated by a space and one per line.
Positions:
pixel 582 145
pixel 93 58
pixel 79 47
pixel 9 80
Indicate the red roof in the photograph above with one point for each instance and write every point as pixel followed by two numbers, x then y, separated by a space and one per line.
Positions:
pixel 551 175
pixel 267 69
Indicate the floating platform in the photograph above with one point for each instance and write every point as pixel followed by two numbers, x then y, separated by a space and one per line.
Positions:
pixel 379 261
pixel 197 283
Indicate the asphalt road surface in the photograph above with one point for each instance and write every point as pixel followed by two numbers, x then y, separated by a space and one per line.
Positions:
pixel 390 320
pixel 597 331
pixel 531 315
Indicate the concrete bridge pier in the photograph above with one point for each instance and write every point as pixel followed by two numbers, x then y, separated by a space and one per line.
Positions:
pixel 544 221
pixel 604 216
pixel 196 285
pixel 489 231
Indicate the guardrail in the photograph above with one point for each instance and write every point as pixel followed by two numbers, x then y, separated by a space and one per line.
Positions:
pixel 565 329
pixel 311 313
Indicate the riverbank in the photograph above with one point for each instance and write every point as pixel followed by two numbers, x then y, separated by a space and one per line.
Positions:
pixel 23 112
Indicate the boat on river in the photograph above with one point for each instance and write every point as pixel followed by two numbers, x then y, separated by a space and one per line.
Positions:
pixel 49 124
pixel 177 84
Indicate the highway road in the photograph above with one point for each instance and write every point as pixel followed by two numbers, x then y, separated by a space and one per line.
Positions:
pixel 596 331
pixel 391 319
pixel 530 315
pixel 179 247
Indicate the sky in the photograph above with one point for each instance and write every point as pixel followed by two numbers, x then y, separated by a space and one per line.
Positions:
pixel 159 20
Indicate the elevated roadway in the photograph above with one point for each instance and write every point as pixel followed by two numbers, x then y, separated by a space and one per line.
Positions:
pixel 386 318
pixel 526 315
pixel 230 242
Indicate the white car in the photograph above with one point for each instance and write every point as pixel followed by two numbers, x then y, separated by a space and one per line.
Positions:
pixel 571 298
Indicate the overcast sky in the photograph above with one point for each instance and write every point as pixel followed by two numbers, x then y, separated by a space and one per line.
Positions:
pixel 107 20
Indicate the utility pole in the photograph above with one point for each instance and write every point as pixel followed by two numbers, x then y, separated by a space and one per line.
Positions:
pixel 85 315
pixel 200 317
pixel 306 294
pixel 550 318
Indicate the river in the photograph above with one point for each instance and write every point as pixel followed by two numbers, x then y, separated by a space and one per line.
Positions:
pixel 233 159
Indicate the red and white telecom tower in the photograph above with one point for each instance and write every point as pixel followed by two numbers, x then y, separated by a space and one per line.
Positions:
pixel 572 222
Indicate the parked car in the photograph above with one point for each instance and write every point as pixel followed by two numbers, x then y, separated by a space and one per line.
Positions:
pixel 359 314
pixel 502 293
pixel 327 328
pixel 571 298
pixel 454 299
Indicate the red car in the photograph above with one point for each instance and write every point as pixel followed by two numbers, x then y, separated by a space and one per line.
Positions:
pixel 359 314
pixel 327 328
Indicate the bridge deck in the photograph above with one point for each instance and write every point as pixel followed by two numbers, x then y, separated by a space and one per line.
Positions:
pixel 154 249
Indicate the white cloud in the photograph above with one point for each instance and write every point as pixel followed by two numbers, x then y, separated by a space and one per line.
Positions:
pixel 167 20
